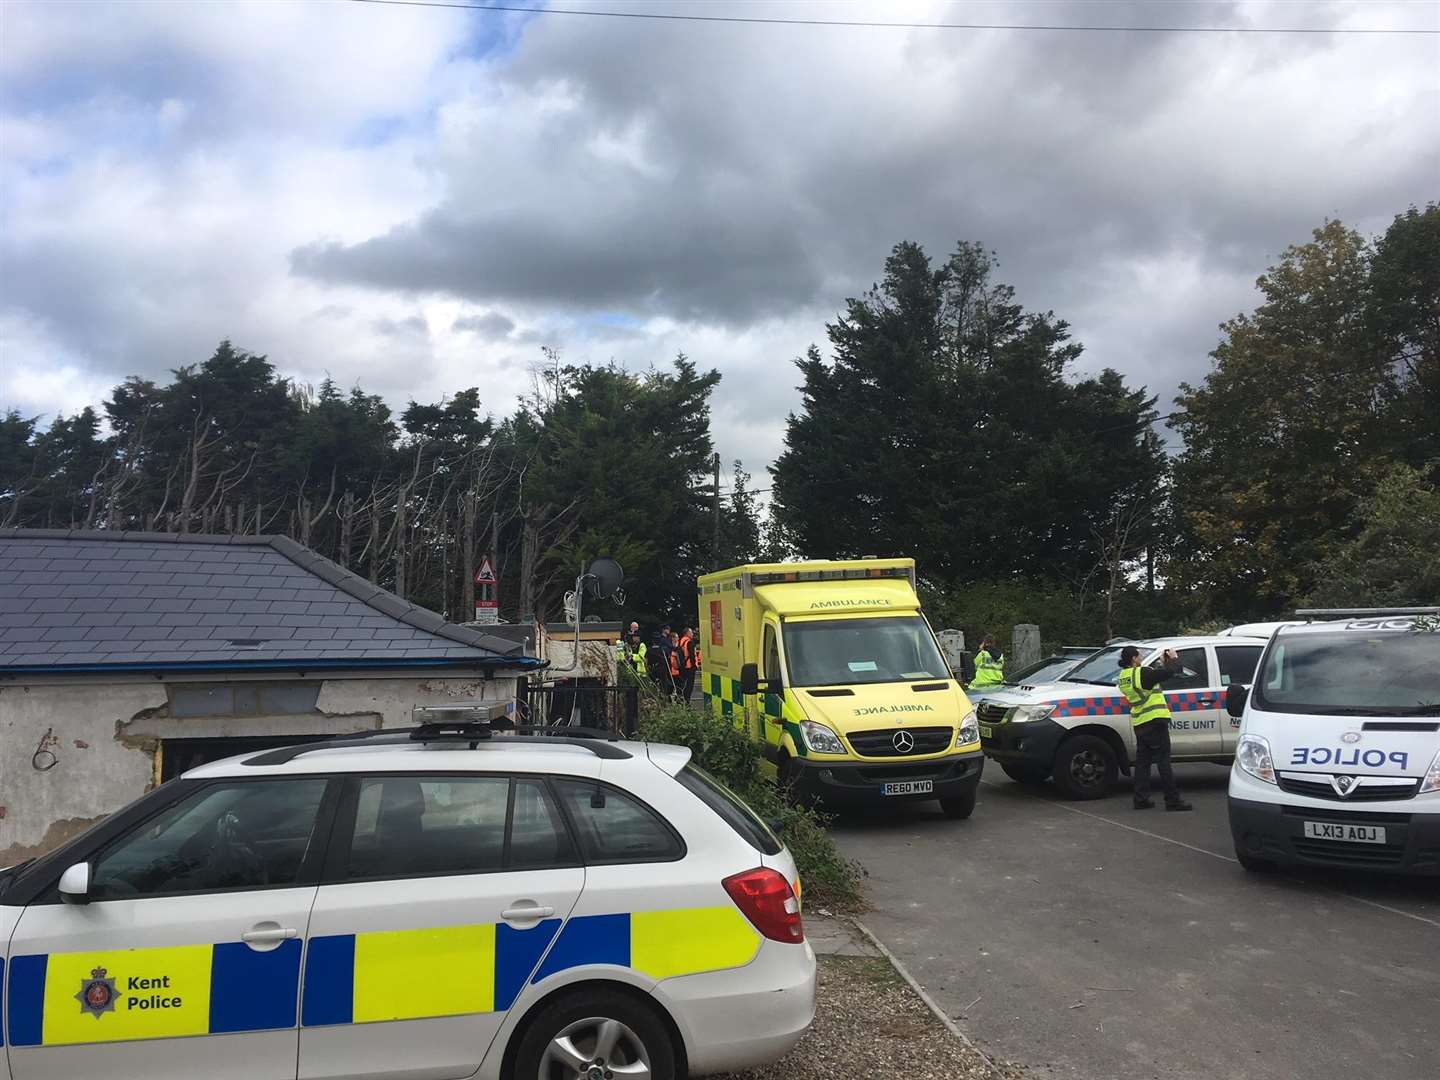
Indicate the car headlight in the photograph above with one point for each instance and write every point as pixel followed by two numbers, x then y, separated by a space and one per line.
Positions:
pixel 1024 714
pixel 1432 776
pixel 821 739
pixel 1252 755
pixel 969 730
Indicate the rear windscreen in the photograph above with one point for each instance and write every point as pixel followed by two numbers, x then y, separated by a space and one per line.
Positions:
pixel 1353 672
pixel 731 808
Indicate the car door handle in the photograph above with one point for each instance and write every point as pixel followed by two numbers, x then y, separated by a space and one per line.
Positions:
pixel 269 935
pixel 527 912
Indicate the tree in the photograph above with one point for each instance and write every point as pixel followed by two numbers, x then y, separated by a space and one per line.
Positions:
pixel 1393 559
pixel 943 426
pixel 1405 317
pixel 741 538
pixel 1287 432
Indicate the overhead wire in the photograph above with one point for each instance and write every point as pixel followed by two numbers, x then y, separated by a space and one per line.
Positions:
pixel 762 20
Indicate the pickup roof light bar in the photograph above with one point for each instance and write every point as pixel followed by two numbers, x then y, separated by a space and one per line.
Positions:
pixel 1363 612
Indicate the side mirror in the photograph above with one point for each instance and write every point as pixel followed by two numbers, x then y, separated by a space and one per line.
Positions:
pixel 1236 695
pixel 749 679
pixel 75 884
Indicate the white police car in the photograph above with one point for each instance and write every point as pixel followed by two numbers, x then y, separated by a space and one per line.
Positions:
pixel 1338 762
pixel 420 905
pixel 1078 729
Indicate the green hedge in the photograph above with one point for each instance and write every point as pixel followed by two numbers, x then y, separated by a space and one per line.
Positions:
pixel 830 880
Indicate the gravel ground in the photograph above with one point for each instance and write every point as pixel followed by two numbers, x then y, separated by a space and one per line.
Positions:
pixel 870 1026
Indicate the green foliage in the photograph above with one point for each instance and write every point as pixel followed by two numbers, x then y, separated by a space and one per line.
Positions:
pixel 727 753
pixel 1393 560
pixel 943 426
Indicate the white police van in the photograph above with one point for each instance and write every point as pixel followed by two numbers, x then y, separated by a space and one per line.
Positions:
pixel 1338 759
pixel 431 904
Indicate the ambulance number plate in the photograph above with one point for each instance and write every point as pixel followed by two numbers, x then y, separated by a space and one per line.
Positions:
pixel 1340 830
pixel 908 787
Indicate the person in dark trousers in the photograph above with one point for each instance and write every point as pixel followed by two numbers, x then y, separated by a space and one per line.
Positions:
pixel 667 679
pixel 1151 716
pixel 687 664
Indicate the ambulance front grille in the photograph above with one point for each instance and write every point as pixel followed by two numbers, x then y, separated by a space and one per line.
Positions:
pixel 881 742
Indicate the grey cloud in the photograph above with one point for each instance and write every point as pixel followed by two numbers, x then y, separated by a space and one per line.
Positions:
pixel 492 326
pixel 412 326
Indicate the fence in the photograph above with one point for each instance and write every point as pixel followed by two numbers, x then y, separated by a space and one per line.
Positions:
pixel 613 708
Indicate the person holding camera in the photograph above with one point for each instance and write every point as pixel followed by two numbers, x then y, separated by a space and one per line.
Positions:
pixel 1151 716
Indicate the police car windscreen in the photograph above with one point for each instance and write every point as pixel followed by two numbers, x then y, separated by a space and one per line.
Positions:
pixel 1353 672
pixel 1103 668
pixel 847 652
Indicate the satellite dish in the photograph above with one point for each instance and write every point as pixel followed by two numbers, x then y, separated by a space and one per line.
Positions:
pixel 605 576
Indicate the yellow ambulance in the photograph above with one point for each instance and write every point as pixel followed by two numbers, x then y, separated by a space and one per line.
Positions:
pixel 832 668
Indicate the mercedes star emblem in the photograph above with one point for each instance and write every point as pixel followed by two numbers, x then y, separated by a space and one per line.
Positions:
pixel 904 742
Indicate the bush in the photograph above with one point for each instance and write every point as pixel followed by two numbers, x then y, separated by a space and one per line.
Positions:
pixel 728 754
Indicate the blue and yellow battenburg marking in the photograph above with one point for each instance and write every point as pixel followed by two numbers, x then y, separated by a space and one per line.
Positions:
pixel 59 999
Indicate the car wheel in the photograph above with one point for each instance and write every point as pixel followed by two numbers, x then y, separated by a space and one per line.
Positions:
pixel 588 1030
pixel 959 806
pixel 1085 767
pixel 1025 774
pixel 1252 864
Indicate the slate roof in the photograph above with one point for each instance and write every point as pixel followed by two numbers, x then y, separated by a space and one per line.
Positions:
pixel 72 600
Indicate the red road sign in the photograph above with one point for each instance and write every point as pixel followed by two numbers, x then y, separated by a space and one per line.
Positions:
pixel 486 574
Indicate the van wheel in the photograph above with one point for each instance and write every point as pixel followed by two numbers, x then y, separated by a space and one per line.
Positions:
pixel 1085 767
pixel 959 807
pixel 1252 864
pixel 1025 774
pixel 592 1029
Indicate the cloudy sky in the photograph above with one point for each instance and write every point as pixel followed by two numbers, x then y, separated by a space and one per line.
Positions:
pixel 417 199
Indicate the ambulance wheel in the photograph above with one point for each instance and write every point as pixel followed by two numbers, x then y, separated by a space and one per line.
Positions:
pixel 1085 767
pixel 592 1029
pixel 959 806
pixel 1252 864
pixel 1025 774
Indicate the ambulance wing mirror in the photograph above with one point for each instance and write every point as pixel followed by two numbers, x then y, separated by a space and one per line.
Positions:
pixel 75 884
pixel 1236 694
pixel 749 679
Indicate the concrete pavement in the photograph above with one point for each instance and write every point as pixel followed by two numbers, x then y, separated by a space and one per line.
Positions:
pixel 1093 942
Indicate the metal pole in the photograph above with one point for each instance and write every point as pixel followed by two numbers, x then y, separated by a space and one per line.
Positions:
pixel 715 542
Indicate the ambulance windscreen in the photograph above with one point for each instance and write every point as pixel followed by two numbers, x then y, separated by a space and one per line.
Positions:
pixel 1353 673
pixel 851 652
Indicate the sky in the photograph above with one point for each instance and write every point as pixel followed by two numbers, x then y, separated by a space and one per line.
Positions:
pixel 418 199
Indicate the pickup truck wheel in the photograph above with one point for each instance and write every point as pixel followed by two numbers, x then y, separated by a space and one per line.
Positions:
pixel 1085 767
pixel 595 1032
pixel 959 806
pixel 1025 774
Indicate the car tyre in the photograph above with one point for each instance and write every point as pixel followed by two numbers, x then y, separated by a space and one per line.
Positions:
pixel 1025 774
pixel 959 807
pixel 1252 864
pixel 588 1024
pixel 1086 767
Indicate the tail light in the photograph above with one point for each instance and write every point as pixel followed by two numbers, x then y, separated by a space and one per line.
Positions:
pixel 766 899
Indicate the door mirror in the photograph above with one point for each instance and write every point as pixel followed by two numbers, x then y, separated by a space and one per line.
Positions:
pixel 75 884
pixel 1236 694
pixel 749 679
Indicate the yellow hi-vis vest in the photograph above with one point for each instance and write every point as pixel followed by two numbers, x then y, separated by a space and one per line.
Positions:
pixel 1145 705
pixel 988 670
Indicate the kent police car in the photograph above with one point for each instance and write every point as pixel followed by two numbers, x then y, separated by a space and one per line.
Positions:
pixel 428 904
pixel 1079 730
pixel 1338 762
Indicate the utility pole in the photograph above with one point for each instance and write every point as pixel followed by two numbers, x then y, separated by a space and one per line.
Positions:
pixel 495 548
pixel 715 541
pixel 400 542
pixel 467 560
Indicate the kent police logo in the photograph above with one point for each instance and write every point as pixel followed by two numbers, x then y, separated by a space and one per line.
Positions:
pixel 97 994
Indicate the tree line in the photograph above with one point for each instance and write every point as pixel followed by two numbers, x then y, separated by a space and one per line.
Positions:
pixel 945 421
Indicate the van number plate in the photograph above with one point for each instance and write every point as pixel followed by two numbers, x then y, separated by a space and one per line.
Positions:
pixel 908 787
pixel 1338 830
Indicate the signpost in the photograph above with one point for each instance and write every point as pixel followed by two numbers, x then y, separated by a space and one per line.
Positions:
pixel 487 603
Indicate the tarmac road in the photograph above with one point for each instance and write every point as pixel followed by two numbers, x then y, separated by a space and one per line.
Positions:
pixel 1089 941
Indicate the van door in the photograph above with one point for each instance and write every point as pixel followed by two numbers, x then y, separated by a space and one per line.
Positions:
pixel 185 961
pixel 430 921
pixel 1237 664
pixel 1195 707
pixel 771 706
